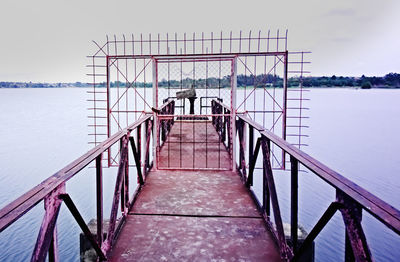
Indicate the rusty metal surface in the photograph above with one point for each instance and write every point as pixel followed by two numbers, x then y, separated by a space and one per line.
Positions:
pixel 174 238
pixel 211 193
pixel 194 215
pixel 193 145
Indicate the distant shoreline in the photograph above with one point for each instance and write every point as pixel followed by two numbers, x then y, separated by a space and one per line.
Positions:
pixel 173 88
pixel 389 81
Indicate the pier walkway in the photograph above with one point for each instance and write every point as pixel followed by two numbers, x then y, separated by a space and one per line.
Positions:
pixel 194 215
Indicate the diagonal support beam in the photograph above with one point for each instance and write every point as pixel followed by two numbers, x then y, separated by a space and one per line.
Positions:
pixel 333 207
pixel 253 162
pixel 283 247
pixel 86 231
pixel 137 160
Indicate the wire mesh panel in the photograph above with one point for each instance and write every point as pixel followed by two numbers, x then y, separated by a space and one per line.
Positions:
pixel 193 142
pixel 267 76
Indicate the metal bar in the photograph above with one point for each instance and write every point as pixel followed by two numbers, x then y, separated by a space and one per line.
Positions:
pixel 117 192
pixel 283 248
pixel 137 161
pixel 108 110
pixel 381 210
pixel 242 160
pixel 232 128
pixel 146 160
pixel 53 249
pixel 294 170
pixel 352 215
pixel 333 207
pixel 192 56
pixel 139 151
pixel 52 205
pixel 253 162
pixel 284 113
pixel 126 181
pixel 251 153
pixel 86 231
pixel 99 198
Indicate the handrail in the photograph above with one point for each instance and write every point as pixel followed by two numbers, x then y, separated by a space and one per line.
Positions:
pixel 384 212
pixel 350 198
pixel 24 203
pixel 52 192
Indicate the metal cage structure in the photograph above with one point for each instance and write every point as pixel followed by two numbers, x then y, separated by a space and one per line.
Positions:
pixel 250 73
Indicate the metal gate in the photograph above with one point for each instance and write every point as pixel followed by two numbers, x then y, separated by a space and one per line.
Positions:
pixel 249 73
pixel 192 141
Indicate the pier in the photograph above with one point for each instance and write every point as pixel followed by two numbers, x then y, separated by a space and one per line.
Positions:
pixel 203 180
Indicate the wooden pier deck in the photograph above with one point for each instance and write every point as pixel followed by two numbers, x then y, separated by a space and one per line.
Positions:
pixel 197 215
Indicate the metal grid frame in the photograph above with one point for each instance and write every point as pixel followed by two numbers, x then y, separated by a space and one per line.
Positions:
pixel 128 60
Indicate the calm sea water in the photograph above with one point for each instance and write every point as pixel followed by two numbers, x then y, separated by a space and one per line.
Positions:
pixel 355 132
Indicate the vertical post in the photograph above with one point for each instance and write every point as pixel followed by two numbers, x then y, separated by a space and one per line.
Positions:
pixel 126 178
pixel 122 158
pixel 147 153
pixel 45 239
pixel 233 112
pixel 139 147
pixel 242 146
pixel 108 109
pixel 53 250
pixel 284 114
pixel 251 143
pixel 274 198
pixel 155 119
pixel 348 251
pixel 223 134
pixel 357 248
pixel 294 201
pixel 99 198
pixel 266 194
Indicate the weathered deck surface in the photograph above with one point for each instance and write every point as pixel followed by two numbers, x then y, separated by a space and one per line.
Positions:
pixel 194 216
pixel 194 145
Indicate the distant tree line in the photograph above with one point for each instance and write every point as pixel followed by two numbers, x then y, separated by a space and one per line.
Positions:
pixel 391 80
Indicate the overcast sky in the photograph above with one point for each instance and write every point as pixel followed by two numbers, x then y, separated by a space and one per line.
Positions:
pixel 48 40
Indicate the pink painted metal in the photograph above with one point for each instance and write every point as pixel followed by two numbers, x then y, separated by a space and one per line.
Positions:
pixel 261 59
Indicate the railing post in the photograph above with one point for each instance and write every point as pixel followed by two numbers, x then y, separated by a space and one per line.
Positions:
pixel 294 201
pixel 251 143
pixel 122 148
pixel 53 249
pixel 283 248
pixel 126 178
pixel 356 244
pixel 242 145
pixel 45 239
pixel 99 198
pixel 266 193
pixel 223 134
pixel 139 146
pixel 147 151
pixel 117 196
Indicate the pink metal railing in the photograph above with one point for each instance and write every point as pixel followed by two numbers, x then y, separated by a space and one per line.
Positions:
pixel 53 192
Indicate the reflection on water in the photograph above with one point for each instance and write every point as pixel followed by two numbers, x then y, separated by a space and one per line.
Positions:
pixel 355 132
